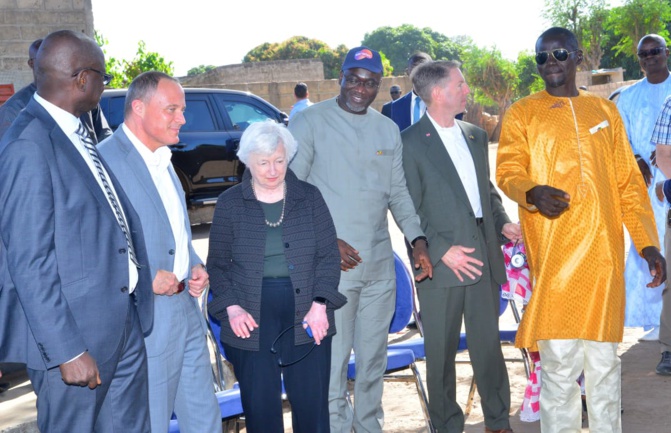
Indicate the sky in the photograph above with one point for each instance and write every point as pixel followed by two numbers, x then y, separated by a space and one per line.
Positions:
pixel 220 32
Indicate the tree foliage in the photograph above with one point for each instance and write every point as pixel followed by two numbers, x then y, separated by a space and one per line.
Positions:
pixel 586 19
pixel 124 71
pixel 399 43
pixel 527 72
pixel 493 78
pixel 635 19
pixel 300 47
pixel 200 70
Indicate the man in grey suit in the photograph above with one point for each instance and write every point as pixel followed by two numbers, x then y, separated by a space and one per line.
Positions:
pixel 180 376
pixel 353 155
pixel 76 295
pixel 447 171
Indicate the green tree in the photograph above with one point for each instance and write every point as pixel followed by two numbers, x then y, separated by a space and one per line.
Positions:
pixel 200 70
pixel 635 19
pixel 124 71
pixel 399 43
pixel 300 47
pixel 530 82
pixel 586 19
pixel 493 78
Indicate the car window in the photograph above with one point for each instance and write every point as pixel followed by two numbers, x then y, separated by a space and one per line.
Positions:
pixel 114 113
pixel 198 117
pixel 243 114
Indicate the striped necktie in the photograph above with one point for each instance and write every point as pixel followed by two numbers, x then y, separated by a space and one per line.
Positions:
pixel 86 140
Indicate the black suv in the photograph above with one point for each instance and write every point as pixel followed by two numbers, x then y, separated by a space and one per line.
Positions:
pixel 205 158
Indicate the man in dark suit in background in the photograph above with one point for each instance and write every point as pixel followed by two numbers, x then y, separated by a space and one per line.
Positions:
pixel 75 279
pixel 408 109
pixel 395 93
pixel 447 171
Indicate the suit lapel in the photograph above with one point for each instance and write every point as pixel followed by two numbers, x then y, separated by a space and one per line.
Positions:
pixel 440 158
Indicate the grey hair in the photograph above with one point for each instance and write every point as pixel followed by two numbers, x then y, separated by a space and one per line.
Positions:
pixel 263 138
pixel 428 75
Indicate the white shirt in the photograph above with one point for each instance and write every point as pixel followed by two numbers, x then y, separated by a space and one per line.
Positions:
pixel 157 163
pixel 69 124
pixel 455 143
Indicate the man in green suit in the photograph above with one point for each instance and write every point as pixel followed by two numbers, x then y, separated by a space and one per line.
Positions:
pixel 447 172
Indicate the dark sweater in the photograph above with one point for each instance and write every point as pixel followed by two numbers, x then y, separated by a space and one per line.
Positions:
pixel 237 245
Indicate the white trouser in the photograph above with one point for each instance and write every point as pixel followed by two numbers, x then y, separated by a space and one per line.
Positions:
pixel 562 361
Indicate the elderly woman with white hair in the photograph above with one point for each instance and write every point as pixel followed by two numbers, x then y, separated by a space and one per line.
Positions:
pixel 274 270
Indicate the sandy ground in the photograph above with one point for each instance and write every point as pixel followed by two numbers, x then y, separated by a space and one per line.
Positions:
pixel 646 396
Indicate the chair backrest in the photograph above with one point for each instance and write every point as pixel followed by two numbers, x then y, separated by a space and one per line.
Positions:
pixel 404 297
pixel 215 327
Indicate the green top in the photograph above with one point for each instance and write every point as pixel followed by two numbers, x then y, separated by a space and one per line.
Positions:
pixel 274 261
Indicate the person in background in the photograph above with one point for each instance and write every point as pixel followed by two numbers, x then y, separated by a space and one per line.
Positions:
pixel 274 271
pixel 639 106
pixel 409 108
pixel 302 99
pixel 180 374
pixel 395 93
pixel 564 158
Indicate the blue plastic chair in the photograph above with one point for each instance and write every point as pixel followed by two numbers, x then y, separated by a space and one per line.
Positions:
pixel 400 359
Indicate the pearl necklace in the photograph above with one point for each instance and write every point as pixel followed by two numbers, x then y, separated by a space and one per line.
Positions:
pixel 284 203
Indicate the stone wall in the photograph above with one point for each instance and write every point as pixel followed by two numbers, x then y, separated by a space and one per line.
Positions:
pixel 23 21
pixel 259 72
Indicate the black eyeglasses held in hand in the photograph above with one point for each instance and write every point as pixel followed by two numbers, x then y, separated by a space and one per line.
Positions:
pixel 107 78
pixel 560 55
pixel 644 54
pixel 273 349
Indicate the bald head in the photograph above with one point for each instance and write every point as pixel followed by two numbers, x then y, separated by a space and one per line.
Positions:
pixel 68 70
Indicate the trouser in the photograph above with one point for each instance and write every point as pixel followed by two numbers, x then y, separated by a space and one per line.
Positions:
pixel 119 405
pixel 665 318
pixel 560 401
pixel 260 375
pixel 363 325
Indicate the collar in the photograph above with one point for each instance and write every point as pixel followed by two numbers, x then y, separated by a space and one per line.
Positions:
pixel 158 160
pixel 449 129
pixel 66 121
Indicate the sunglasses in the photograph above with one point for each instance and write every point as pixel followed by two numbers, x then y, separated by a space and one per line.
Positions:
pixel 643 54
pixel 560 55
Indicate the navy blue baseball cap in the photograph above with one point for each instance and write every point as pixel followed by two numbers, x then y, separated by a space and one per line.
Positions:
pixel 363 57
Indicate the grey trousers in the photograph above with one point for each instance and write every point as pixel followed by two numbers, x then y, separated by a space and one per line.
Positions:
pixel 363 325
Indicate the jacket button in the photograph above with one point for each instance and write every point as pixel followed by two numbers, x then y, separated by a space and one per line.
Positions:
pixel 286 245
pixel 122 251
pixel 171 252
pixel 298 290
pixel 291 267
pixel 124 289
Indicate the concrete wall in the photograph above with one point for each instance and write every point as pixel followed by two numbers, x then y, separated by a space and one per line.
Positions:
pixel 259 72
pixel 23 21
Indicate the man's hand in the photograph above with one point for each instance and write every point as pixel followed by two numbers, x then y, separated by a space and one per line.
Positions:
pixel 457 259
pixel 549 201
pixel 165 283
pixel 242 323
pixel 318 322
pixel 656 264
pixel 659 190
pixel 349 257
pixel 420 256
pixel 645 169
pixel 81 371
pixel 198 281
pixel 512 231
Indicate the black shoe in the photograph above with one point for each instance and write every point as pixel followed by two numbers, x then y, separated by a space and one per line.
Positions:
pixel 664 366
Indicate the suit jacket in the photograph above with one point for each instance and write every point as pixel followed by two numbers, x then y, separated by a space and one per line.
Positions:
pixel 400 111
pixel 386 109
pixel 64 263
pixel 131 170
pixel 442 203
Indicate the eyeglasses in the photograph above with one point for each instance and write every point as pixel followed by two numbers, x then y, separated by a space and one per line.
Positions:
pixel 560 55
pixel 352 82
pixel 273 349
pixel 644 54
pixel 107 78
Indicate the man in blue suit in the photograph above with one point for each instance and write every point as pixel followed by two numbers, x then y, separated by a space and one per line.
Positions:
pixel 409 108
pixel 75 294
pixel 180 375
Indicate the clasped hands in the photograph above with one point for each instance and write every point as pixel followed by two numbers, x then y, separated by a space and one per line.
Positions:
pixel 166 283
